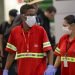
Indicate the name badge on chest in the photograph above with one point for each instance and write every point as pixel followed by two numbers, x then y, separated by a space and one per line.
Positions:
pixel 65 62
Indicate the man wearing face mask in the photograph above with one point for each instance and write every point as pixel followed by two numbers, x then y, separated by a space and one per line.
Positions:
pixel 29 44
pixel 65 50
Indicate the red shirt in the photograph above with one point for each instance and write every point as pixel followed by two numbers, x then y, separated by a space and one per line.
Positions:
pixel 33 41
pixel 66 48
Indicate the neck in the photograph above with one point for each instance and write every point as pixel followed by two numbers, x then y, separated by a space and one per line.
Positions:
pixel 25 27
pixel 72 36
pixel 10 22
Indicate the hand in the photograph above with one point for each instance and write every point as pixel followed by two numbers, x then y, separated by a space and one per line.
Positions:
pixel 5 72
pixel 51 70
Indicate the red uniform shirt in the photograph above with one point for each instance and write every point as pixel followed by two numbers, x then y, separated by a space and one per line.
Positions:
pixel 66 49
pixel 30 47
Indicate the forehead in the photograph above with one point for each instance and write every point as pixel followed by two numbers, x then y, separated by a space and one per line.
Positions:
pixel 51 14
pixel 65 23
pixel 30 11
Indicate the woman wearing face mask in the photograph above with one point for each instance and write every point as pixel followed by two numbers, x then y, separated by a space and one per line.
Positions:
pixel 65 50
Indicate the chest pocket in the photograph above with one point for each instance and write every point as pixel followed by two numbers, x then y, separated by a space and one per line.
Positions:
pixel 20 44
pixel 35 43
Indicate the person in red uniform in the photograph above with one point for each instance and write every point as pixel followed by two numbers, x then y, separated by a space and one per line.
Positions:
pixel 66 48
pixel 29 44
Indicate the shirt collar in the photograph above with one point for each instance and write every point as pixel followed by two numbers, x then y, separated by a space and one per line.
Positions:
pixel 31 29
pixel 70 41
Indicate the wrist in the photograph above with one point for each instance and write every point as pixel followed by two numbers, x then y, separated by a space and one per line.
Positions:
pixel 5 70
pixel 56 66
pixel 51 66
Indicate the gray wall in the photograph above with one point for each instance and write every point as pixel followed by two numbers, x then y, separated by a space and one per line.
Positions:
pixel 1 11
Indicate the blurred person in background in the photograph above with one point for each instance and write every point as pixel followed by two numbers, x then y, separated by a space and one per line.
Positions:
pixel 45 20
pixel 65 50
pixel 4 34
pixel 29 42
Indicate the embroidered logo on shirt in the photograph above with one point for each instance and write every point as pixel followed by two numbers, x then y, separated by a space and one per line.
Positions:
pixel 36 45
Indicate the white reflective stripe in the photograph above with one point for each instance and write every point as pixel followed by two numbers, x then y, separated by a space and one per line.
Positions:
pixel 30 55
pixel 12 47
pixel 69 59
pixel 46 44
pixel 57 50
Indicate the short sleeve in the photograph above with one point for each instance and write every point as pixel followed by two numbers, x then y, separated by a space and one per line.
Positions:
pixel 57 50
pixel 11 44
pixel 46 42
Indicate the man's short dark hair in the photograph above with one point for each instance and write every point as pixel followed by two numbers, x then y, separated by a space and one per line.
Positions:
pixel 25 7
pixel 51 9
pixel 70 19
pixel 13 12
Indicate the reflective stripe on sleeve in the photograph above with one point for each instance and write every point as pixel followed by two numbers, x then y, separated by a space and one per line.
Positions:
pixel 30 55
pixel 12 47
pixel 69 59
pixel 46 44
pixel 57 50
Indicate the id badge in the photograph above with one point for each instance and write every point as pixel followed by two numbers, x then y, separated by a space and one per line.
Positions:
pixel 65 62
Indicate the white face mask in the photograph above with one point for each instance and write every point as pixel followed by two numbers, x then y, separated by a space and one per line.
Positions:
pixel 66 30
pixel 31 20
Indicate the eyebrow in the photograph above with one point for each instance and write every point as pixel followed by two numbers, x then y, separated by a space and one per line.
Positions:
pixel 65 25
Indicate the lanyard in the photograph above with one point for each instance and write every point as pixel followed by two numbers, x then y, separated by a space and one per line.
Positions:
pixel 27 44
pixel 68 45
